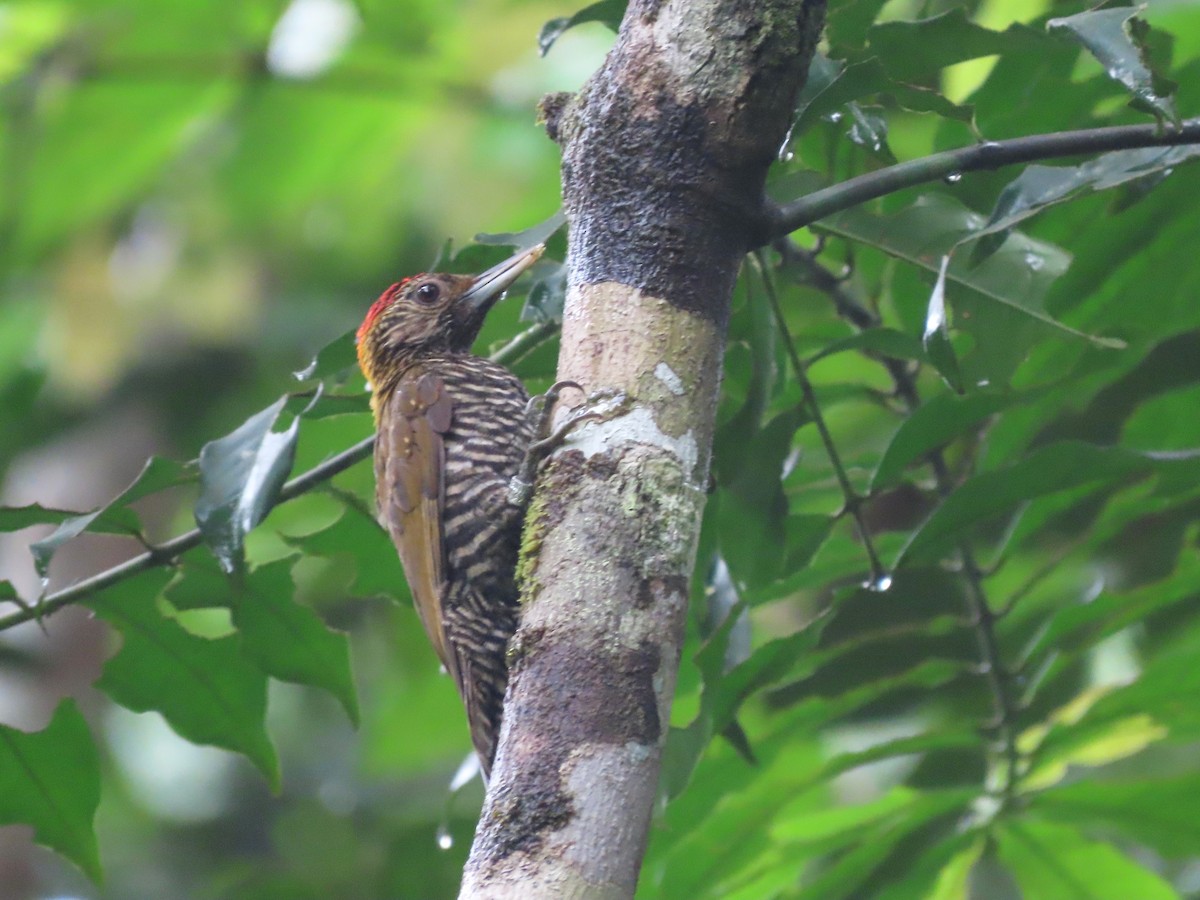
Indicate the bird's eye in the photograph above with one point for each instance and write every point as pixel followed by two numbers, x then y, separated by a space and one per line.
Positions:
pixel 428 293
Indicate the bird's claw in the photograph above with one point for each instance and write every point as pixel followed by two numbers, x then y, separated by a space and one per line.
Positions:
pixel 548 440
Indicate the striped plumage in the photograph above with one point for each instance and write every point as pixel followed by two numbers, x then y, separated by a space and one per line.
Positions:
pixel 452 431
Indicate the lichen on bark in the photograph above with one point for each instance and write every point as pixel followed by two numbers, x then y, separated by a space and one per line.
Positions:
pixel 665 154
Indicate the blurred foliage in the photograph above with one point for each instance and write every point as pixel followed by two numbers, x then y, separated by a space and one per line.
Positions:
pixel 199 197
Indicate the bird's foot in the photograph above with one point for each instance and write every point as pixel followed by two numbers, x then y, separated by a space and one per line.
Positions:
pixel 549 439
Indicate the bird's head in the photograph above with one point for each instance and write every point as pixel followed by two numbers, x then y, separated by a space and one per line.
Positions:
pixel 431 314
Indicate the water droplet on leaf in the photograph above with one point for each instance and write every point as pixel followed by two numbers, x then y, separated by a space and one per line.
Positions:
pixel 953 178
pixel 879 585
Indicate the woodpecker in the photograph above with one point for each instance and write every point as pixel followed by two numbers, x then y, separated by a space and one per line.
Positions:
pixel 453 431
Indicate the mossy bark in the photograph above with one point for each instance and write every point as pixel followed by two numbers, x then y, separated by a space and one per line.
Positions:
pixel 665 154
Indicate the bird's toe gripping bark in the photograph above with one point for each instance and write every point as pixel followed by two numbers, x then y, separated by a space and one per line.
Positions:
pixel 549 439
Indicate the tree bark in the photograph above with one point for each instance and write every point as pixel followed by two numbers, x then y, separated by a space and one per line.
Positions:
pixel 665 155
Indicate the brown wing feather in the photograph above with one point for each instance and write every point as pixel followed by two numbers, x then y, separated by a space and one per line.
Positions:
pixel 409 473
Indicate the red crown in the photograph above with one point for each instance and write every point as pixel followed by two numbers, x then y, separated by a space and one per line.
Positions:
pixel 385 300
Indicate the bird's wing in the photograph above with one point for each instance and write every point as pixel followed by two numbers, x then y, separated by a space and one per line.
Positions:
pixel 409 462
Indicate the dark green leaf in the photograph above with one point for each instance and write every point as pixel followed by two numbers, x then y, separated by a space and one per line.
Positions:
pixel 114 517
pixel 838 84
pixel 993 300
pixel 1038 187
pixel 609 12
pixel 1116 39
pixel 205 689
pixel 931 426
pixel 752 509
pixel 530 237
pixel 547 294
pixel 50 779
pixel 1054 468
pixel 240 478
pixel 878 341
pixel 288 641
pixel 336 360
pixel 945 40
pixel 869 130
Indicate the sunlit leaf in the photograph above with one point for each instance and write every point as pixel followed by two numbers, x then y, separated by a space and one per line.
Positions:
pixel 1157 812
pixel 1050 860
pixel 946 39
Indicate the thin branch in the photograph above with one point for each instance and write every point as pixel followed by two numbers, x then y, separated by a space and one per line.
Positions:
pixel 852 500
pixel 165 553
pixel 783 220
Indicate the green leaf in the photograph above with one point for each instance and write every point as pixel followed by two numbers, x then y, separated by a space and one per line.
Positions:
pixel 98 146
pixel 113 517
pixel 50 779
pixel 1159 813
pixel 932 425
pixel 356 539
pixel 752 510
pixel 1116 37
pixel 1048 470
pixel 288 641
pixel 206 689
pixel 547 294
pixel 876 341
pixel 1051 860
pixel 609 12
pixel 851 869
pixel 836 84
pixel 16 518
pixel 799 823
pixel 1164 692
pixel 945 40
pixel 996 301
pixel 530 237
pixel 1039 187
pixel 335 361
pixel 240 478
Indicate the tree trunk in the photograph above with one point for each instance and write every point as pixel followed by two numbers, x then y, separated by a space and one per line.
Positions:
pixel 665 154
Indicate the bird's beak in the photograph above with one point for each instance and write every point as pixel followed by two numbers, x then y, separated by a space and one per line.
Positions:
pixel 491 284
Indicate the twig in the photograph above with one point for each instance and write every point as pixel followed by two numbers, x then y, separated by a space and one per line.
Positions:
pixel 301 484
pixel 852 500
pixel 783 220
